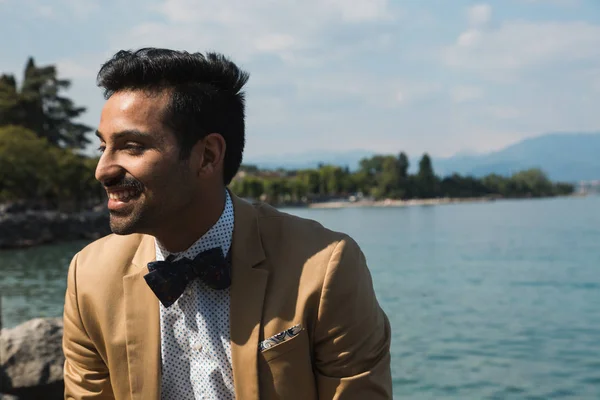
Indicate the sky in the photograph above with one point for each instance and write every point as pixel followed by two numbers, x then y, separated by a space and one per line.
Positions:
pixel 436 76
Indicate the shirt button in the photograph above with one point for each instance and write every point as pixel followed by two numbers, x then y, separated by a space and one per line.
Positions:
pixel 198 347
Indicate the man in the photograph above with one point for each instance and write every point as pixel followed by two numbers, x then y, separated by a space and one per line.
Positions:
pixel 199 294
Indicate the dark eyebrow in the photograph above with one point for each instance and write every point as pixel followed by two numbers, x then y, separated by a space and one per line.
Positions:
pixel 128 133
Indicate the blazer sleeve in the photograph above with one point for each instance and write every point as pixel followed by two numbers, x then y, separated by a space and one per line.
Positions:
pixel 352 335
pixel 86 375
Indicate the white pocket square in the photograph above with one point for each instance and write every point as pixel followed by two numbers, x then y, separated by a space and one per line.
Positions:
pixel 280 337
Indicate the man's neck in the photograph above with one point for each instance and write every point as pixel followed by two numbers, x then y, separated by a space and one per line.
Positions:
pixel 192 225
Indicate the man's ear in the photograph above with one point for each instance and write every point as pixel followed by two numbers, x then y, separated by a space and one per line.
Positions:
pixel 209 154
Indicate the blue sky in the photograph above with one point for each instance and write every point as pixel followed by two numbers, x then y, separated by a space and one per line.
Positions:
pixel 442 76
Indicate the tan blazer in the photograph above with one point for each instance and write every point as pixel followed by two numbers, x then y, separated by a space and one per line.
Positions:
pixel 286 271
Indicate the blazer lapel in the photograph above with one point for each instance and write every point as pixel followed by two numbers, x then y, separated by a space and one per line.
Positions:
pixel 143 327
pixel 246 303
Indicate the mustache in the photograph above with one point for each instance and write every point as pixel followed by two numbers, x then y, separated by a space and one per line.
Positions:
pixel 124 182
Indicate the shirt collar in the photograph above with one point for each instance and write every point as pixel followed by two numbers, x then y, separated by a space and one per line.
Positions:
pixel 219 235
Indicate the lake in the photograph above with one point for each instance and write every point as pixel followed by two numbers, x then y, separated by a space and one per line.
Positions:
pixel 497 300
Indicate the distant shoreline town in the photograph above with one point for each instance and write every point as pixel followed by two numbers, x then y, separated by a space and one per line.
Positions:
pixel 385 178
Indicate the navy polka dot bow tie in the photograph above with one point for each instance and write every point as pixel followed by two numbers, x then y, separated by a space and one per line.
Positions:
pixel 168 279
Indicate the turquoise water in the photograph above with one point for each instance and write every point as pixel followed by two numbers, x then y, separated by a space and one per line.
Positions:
pixel 487 301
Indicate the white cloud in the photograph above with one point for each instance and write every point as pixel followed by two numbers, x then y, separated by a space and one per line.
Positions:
pixel 370 90
pixel 479 14
pixel 79 9
pixel 555 2
pixel 592 76
pixel 359 10
pixel 45 11
pixel 414 91
pixel 503 112
pixel 463 94
pixel 469 38
pixel 72 69
pixel 296 32
pixel 83 8
pixel 257 12
pixel 273 43
pixel 517 45
pixel 400 96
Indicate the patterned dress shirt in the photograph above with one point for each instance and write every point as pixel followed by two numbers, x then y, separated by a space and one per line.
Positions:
pixel 195 341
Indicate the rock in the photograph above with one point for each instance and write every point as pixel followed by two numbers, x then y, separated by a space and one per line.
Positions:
pixel 32 228
pixel 31 360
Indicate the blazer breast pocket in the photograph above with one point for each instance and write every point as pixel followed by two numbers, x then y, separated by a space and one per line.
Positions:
pixel 300 340
pixel 286 370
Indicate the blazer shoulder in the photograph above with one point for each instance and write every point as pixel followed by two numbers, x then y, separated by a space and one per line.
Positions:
pixel 111 245
pixel 107 256
pixel 301 243
pixel 292 227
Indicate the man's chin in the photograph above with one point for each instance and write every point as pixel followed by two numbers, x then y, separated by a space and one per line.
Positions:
pixel 122 231
pixel 123 226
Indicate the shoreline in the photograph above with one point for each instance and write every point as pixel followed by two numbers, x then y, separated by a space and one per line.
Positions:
pixel 35 228
pixel 398 203
pixel 422 202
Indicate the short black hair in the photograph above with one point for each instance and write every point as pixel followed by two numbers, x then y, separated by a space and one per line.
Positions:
pixel 205 93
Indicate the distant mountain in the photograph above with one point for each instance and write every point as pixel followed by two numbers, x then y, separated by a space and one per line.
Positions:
pixel 310 159
pixel 567 157
pixel 563 156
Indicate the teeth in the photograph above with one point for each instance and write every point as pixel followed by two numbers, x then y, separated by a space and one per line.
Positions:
pixel 121 196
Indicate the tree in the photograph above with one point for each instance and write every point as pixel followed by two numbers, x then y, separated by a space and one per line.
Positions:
pixel 532 182
pixel 39 106
pixel 403 190
pixel 386 176
pixel 298 188
pixel 26 165
pixel 426 179
pixel 332 179
pixel 403 165
pixel 458 186
pixel 312 180
pixel 389 178
pixel 254 188
pixel 11 107
pixel 496 184
pixel 33 170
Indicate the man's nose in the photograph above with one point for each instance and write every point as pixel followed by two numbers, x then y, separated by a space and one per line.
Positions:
pixel 107 168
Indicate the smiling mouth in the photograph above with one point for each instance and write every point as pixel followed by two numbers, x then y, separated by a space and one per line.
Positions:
pixel 124 195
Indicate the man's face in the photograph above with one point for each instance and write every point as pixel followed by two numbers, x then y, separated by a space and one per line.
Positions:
pixel 147 184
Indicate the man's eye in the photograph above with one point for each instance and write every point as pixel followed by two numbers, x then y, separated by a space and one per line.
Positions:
pixel 134 148
pixel 101 149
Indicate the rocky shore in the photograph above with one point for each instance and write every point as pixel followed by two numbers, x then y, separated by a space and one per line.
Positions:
pixel 31 360
pixel 31 228
pixel 25 228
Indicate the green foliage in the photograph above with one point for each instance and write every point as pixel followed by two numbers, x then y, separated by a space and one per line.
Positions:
pixel 39 106
pixel 427 184
pixel 26 164
pixel 386 176
pixel 32 169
